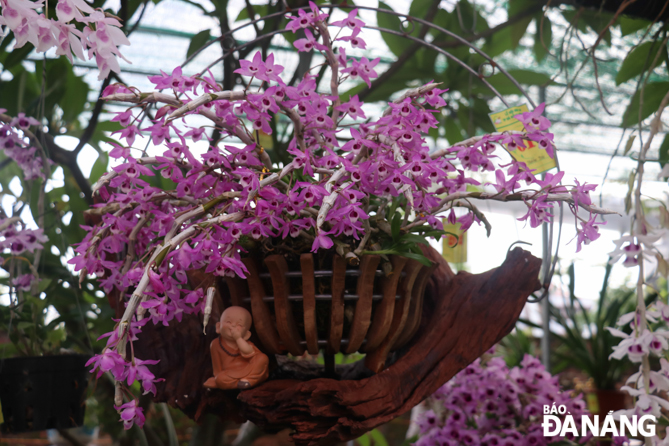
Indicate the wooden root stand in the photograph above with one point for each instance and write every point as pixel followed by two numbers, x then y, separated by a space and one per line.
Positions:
pixel 463 315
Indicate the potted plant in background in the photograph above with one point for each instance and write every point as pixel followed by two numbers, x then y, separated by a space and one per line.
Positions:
pixel 586 344
pixel 49 321
pixel 41 388
pixel 46 312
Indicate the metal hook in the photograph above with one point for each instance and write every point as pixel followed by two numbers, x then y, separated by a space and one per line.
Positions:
pixel 492 65
pixel 403 23
pixel 534 299
pixel 517 242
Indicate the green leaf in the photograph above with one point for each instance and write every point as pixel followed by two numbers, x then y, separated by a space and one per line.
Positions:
pixel 505 86
pixel 198 41
pixel 629 25
pixel 25 326
pixel 652 96
pixel 464 113
pixel 516 7
pixel 464 21
pixel 201 8
pixel 259 10
pixel 664 150
pixel 639 60
pixel 346 96
pixel 4 44
pixel 630 143
pixel 471 18
pixel 413 238
pixel 74 98
pixel 16 56
pixel 418 257
pixel 132 5
pixel 56 77
pixel 379 439
pixel 396 44
pixel 542 38
pixel 575 19
pixel 364 440
pixel 442 20
pixel 436 233
pixel 598 20
pixel 99 167
pixel 55 336
pixel 519 28
pixel 481 118
pixel 169 425
pixel 453 131
pixel 498 43
pixel 8 173
pixel 410 441
pixel 419 8
pixel 630 189
pixel 43 284
pixel 290 37
pixel 396 225
pixel 19 93
pixel 100 133
pixel 419 67
pixel 518 31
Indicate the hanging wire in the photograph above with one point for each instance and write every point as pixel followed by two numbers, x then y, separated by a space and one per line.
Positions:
pixel 403 33
pixel 549 259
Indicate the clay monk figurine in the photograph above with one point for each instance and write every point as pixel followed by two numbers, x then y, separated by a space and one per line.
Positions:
pixel 238 364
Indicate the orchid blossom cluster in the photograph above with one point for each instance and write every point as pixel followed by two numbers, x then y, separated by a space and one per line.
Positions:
pixel 637 346
pixel 491 405
pixel 100 36
pixel 649 336
pixel 16 239
pixel 16 146
pixel 353 185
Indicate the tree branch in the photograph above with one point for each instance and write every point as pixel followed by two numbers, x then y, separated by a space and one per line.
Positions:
pixel 67 159
pixel 252 15
pixel 93 122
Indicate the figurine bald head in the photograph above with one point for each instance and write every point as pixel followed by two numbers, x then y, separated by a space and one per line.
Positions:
pixel 235 323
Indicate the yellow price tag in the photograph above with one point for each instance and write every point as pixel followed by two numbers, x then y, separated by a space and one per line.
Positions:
pixel 265 140
pixel 454 243
pixel 535 157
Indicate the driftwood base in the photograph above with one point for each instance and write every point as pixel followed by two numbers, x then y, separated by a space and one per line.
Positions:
pixel 463 316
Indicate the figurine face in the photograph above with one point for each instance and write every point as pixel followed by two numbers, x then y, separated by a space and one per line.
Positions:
pixel 235 323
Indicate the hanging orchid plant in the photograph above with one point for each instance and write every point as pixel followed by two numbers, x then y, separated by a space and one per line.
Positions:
pixel 353 185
